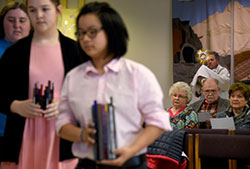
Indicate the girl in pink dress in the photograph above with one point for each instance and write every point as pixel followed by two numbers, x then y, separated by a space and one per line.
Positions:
pixel 48 56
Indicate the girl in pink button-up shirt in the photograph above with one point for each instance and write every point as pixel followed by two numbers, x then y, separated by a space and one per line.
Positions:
pixel 137 96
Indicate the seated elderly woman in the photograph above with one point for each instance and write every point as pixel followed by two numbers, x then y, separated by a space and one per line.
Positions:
pixel 181 115
pixel 239 94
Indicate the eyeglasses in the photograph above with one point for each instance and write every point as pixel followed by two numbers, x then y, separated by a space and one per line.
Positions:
pixel 210 91
pixel 91 33
pixel 179 96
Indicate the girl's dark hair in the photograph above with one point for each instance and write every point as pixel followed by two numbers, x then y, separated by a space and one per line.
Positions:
pixel 5 10
pixel 112 24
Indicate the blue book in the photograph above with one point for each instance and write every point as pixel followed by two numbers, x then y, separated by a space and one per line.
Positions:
pixel 3 118
pixel 95 120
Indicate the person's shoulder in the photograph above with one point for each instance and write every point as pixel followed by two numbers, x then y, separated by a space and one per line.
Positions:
pixel 221 114
pixel 196 103
pixel 78 69
pixel 221 69
pixel 189 108
pixel 134 66
pixel 65 39
pixel 22 44
pixel 24 41
pixel 4 43
pixel 248 114
pixel 248 108
pixel 223 100
pixel 248 103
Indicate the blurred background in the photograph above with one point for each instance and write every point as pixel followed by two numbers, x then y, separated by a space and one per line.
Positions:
pixel 67 21
pixel 149 24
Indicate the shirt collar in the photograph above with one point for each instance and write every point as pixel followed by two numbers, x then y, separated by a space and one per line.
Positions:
pixel 114 66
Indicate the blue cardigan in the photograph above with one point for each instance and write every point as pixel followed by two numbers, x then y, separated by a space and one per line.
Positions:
pixel 14 75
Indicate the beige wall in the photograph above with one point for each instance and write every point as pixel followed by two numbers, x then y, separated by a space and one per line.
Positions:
pixel 150 28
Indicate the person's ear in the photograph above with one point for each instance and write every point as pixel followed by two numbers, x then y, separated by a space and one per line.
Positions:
pixel 59 9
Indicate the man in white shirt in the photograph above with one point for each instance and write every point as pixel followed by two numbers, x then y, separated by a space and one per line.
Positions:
pixel 212 70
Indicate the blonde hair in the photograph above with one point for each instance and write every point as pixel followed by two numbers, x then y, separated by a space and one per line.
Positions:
pixel 183 86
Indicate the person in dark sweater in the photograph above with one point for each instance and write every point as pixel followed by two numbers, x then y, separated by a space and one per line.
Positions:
pixel 239 109
pixel 30 139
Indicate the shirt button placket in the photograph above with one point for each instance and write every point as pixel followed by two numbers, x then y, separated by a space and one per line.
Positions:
pixel 101 88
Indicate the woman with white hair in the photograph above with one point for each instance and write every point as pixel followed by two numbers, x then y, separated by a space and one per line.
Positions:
pixel 181 115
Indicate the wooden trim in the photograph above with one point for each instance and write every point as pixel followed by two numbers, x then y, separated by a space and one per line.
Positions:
pixel 191 151
pixel 197 158
pixel 232 164
pixel 230 132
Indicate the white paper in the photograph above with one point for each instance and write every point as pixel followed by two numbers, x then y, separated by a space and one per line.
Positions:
pixel 223 123
pixel 203 116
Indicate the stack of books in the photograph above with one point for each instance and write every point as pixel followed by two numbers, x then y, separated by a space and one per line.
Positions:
pixel 105 138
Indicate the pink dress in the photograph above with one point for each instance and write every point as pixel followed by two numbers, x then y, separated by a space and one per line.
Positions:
pixel 40 146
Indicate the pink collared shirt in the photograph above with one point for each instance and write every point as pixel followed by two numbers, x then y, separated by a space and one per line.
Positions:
pixel 136 96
